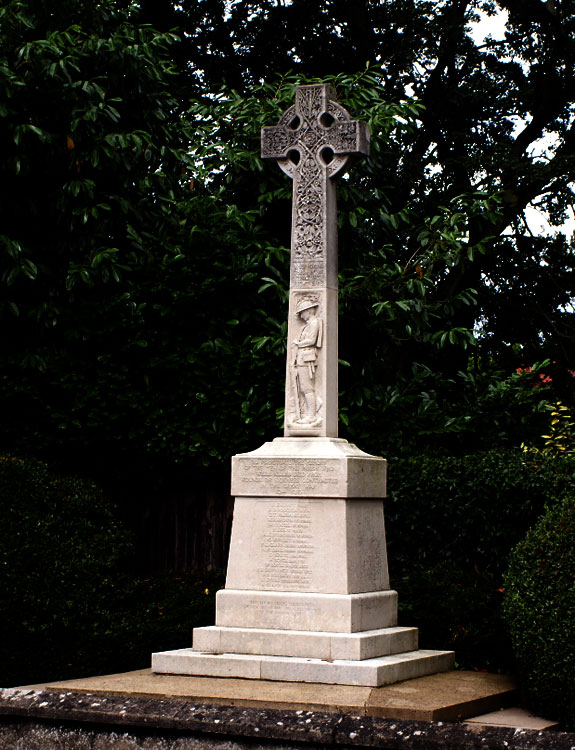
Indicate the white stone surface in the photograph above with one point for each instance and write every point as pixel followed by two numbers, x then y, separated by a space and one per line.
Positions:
pixel 334 613
pixel 186 661
pixel 370 672
pixel 308 467
pixel 352 646
pixel 310 408
pixel 373 643
pixel 262 641
pixel 308 545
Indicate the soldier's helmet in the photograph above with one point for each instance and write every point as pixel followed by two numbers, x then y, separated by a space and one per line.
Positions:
pixel 305 304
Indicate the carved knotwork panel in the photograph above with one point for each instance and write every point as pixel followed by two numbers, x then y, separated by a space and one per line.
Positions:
pixel 308 239
pixel 276 142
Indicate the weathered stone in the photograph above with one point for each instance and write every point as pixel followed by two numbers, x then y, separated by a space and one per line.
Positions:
pixel 83 722
pixel 382 670
pixel 512 717
pixel 447 696
pixel 118 742
pixel 281 610
pixel 348 646
pixel 327 546
pixel 309 467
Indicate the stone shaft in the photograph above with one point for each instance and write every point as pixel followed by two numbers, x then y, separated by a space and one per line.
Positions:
pixel 312 143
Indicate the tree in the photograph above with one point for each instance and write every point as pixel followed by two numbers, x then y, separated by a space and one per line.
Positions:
pixel 487 105
pixel 92 165
pixel 146 271
pixel 400 331
pixel 497 118
pixel 126 282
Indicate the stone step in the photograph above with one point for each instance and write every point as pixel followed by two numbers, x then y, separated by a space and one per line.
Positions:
pixel 291 610
pixel 319 645
pixel 383 670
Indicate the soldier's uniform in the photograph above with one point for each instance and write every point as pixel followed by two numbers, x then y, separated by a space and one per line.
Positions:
pixel 310 339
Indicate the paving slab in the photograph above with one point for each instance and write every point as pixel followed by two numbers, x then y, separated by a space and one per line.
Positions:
pixel 449 696
pixel 514 717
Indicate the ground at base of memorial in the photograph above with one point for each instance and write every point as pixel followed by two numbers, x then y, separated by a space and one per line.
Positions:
pixel 449 696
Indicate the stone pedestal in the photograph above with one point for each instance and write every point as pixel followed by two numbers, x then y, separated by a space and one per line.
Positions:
pixel 307 594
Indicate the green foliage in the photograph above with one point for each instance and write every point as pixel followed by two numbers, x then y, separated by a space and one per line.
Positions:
pixel 539 604
pixel 144 242
pixel 137 365
pixel 144 264
pixel 497 119
pixel 86 124
pixel 169 609
pixel 145 273
pixel 69 603
pixel 451 525
pixel 561 440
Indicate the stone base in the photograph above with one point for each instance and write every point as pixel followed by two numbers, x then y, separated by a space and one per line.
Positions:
pixel 383 670
pixel 307 595
pixel 348 646
pixel 446 696
pixel 308 545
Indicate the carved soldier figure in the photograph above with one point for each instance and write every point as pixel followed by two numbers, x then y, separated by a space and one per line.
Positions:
pixel 305 361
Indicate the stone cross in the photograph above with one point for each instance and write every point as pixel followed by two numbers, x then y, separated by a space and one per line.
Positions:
pixel 312 143
pixel 307 594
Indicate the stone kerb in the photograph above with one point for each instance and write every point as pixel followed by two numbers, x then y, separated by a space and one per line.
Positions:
pixel 82 720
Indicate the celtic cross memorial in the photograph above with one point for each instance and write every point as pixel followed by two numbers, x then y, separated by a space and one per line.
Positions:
pixel 313 143
pixel 307 595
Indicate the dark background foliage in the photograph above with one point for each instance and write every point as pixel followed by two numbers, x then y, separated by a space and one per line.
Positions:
pixel 144 243
pixel 143 264
pixel 72 603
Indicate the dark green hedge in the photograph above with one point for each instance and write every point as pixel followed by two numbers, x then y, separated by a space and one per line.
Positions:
pixel 451 525
pixel 70 604
pixel 540 610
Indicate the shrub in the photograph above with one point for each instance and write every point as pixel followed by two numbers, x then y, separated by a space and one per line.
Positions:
pixel 70 605
pixel 171 607
pixel 451 525
pixel 539 607
pixel 62 554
